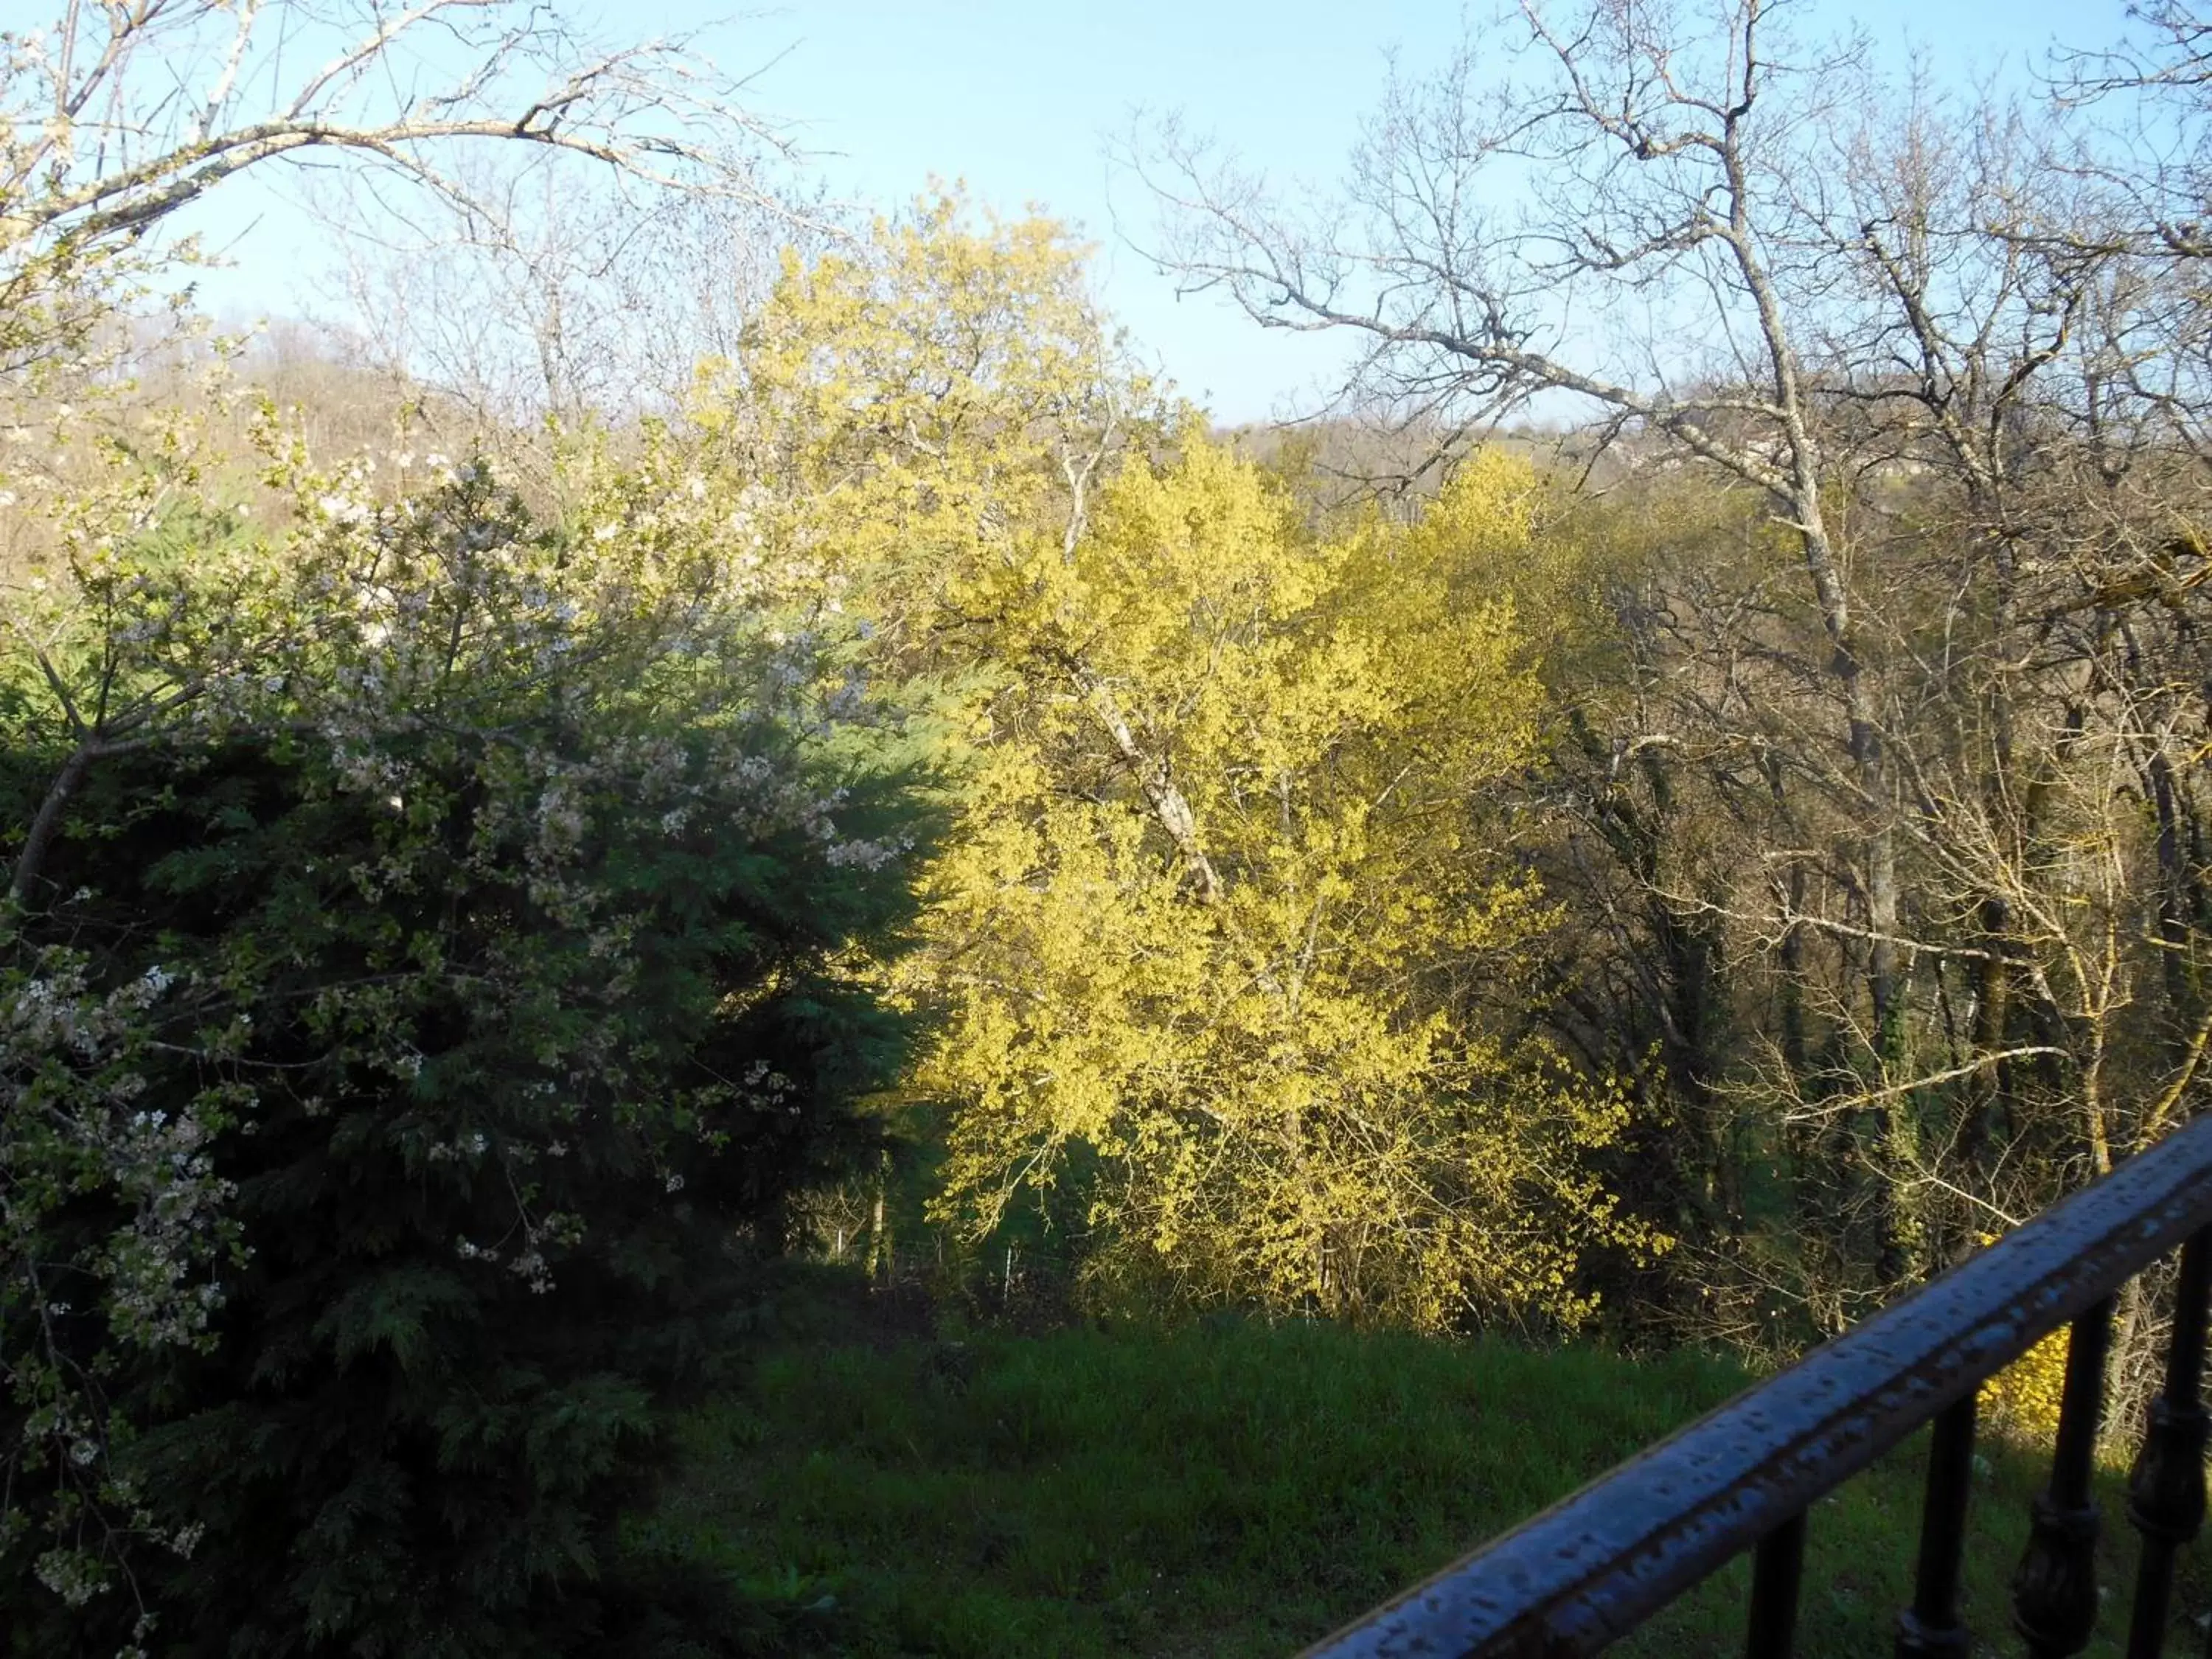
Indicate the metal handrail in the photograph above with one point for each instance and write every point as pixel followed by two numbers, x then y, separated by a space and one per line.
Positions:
pixel 1596 1565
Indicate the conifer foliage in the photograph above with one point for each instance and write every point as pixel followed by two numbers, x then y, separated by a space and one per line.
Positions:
pixel 436 971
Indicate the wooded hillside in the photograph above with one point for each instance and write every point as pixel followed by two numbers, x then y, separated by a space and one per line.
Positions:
pixel 1676 808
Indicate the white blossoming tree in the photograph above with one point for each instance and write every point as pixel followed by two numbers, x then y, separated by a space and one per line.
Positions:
pixel 430 941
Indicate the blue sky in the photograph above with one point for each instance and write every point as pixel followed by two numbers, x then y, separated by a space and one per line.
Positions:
pixel 1019 99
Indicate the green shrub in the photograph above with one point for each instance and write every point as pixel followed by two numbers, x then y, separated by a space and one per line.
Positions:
pixel 411 1058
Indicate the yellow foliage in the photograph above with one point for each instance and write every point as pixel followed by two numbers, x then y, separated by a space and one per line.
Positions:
pixel 1221 911
pixel 2023 1398
pixel 909 408
pixel 1218 936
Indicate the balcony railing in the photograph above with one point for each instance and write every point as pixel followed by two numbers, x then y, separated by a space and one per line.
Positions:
pixel 1595 1565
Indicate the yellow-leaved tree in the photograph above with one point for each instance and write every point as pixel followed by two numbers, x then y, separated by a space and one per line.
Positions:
pixel 915 407
pixel 1224 919
pixel 1224 939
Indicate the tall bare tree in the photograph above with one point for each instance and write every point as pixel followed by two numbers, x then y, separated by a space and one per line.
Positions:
pixel 1661 155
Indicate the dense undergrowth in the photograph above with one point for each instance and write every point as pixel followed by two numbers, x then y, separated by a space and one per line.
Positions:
pixel 1234 1488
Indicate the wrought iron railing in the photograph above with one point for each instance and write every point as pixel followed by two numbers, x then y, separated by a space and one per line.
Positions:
pixel 1597 1564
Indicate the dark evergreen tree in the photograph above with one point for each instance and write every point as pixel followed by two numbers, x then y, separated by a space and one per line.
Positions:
pixel 509 1026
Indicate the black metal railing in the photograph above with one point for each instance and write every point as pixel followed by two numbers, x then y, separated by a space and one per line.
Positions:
pixel 1595 1565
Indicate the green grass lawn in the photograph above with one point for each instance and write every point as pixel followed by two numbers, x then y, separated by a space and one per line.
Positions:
pixel 1236 1490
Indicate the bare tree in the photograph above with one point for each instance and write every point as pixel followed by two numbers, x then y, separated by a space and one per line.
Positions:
pixel 114 117
pixel 569 299
pixel 1662 156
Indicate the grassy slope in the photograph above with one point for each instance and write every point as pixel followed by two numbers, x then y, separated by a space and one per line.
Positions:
pixel 1231 1491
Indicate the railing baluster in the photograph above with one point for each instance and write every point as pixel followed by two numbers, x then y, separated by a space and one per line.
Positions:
pixel 1931 1628
pixel 1598 1563
pixel 2166 1490
pixel 1777 1569
pixel 2054 1591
